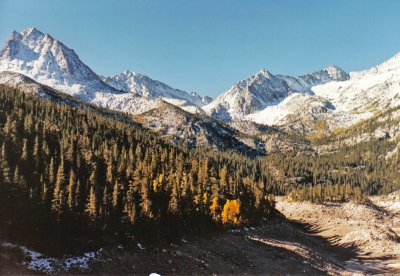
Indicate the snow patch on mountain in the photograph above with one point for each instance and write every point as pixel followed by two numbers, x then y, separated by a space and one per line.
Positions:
pixel 296 103
pixel 371 90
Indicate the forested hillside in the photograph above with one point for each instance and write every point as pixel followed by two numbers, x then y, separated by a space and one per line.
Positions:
pixel 72 176
pixel 348 164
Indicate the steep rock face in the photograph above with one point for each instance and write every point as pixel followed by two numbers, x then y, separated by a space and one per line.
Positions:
pixel 264 89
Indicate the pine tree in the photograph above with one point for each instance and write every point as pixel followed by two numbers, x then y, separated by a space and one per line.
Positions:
pixel 45 193
pixel 105 203
pixel 25 153
pixel 71 190
pixel 91 205
pixel 115 196
pixel 145 203
pixel 58 201
pixel 17 178
pixel 130 211
pixel 223 177
pixel 110 174
pixel 37 153
pixel 5 167
pixel 52 174
pixel 78 194
pixel 173 202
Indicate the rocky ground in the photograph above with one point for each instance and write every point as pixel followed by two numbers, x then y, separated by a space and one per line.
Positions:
pixel 372 229
pixel 281 247
pixel 332 239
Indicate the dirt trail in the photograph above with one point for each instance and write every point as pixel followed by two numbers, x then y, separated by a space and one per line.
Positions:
pixel 372 229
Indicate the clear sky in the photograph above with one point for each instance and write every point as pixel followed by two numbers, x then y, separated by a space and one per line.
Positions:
pixel 208 45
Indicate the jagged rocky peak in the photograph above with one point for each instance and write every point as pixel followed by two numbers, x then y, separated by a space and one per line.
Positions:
pixel 26 34
pixel 262 82
pixel 31 31
pixel 39 55
pixel 32 34
pixel 19 42
pixel 264 72
pixel 265 89
pixel 48 61
pixel 336 73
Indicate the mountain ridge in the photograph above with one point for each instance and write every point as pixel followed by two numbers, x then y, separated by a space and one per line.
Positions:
pixel 265 89
pixel 329 97
pixel 48 61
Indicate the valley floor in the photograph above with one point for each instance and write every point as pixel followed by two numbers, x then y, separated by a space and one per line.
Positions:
pixel 313 239
pixel 373 229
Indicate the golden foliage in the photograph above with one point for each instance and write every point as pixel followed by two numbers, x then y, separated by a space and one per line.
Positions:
pixel 214 207
pixel 230 213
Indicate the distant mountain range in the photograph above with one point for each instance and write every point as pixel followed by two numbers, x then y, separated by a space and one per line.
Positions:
pixel 48 61
pixel 321 101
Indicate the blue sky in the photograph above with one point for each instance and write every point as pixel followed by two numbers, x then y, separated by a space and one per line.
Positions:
pixel 208 45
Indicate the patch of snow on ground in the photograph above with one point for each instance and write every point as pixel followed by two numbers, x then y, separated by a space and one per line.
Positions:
pixel 36 261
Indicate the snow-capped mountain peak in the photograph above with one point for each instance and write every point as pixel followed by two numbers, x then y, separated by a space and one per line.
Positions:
pixel 265 89
pixel 248 96
pixel 329 94
pixel 336 73
pixel 142 85
pixel 264 72
pixel 46 60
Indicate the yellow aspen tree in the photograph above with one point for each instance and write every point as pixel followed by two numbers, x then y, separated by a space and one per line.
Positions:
pixel 225 212
pixel 235 211
pixel 214 207
pixel 230 212
pixel 205 198
pixel 155 185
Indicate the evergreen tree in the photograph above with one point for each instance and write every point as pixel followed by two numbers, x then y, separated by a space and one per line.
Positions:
pixel 91 206
pixel 71 190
